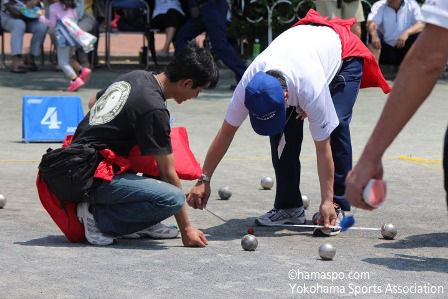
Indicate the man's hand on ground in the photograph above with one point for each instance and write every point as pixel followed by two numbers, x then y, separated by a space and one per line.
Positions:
pixel 192 237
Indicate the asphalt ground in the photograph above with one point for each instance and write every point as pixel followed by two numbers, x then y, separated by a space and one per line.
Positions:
pixel 36 261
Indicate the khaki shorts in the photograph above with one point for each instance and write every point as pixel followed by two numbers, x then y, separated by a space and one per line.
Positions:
pixel 328 8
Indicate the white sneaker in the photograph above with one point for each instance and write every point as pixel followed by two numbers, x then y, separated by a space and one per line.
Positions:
pixel 159 231
pixel 93 234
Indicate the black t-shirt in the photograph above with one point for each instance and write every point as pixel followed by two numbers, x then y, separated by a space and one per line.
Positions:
pixel 131 111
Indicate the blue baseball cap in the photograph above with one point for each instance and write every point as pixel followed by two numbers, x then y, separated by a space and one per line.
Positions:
pixel 265 100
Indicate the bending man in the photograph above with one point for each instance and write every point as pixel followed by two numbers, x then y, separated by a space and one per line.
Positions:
pixel 314 70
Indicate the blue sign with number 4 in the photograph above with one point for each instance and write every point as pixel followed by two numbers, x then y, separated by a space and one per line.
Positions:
pixel 50 118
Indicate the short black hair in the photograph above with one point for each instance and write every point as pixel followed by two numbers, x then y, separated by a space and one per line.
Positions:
pixel 195 63
pixel 279 76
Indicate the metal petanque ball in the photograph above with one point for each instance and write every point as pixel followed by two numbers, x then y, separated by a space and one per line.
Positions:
pixel 316 217
pixel 327 251
pixel 306 201
pixel 249 242
pixel 389 231
pixel 2 201
pixel 267 182
pixel 224 192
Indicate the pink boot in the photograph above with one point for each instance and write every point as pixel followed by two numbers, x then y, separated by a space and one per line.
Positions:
pixel 85 74
pixel 75 85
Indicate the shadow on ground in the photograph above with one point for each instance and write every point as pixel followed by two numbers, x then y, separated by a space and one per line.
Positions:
pixel 234 229
pixel 405 262
pixel 61 241
pixel 419 241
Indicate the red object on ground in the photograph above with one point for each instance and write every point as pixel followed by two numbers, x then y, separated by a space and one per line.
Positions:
pixel 250 230
pixel 67 221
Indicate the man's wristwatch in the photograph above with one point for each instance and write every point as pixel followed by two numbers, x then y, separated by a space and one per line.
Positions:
pixel 204 178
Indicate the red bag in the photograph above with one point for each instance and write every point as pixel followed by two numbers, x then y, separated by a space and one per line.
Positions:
pixel 67 221
pixel 186 165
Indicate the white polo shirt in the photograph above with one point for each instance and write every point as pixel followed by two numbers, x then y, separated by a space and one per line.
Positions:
pixel 309 57
pixel 436 12
pixel 392 24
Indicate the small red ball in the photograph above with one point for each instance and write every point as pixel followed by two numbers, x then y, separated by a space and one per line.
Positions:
pixel 250 230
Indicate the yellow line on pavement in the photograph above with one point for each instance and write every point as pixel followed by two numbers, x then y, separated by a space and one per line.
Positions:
pixel 420 160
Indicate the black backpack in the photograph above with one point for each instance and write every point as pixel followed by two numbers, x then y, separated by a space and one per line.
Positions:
pixel 68 171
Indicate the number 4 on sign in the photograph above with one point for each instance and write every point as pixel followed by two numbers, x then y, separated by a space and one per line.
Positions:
pixel 51 118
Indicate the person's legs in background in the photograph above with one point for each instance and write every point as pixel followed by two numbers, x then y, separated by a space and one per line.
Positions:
pixel 17 29
pixel 213 16
pixel 329 8
pixel 81 64
pixel 354 10
pixel 401 52
pixel 192 28
pixel 39 32
pixel 344 91
pixel 170 23
pixel 388 56
pixel 64 55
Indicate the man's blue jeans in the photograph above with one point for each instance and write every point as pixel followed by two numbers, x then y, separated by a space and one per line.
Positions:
pixel 131 203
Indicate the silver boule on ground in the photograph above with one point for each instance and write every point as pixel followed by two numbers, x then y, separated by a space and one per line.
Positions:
pixel 305 201
pixel 249 242
pixel 388 231
pixel 224 192
pixel 327 251
pixel 2 201
pixel 267 182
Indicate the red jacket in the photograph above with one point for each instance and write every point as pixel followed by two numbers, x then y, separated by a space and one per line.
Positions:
pixel 352 46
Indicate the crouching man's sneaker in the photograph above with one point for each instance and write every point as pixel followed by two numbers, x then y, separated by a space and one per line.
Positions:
pixel 93 234
pixel 320 232
pixel 282 216
pixel 157 231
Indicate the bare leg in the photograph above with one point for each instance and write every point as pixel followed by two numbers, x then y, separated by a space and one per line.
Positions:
pixel 375 52
pixel 356 29
pixel 75 65
pixel 169 31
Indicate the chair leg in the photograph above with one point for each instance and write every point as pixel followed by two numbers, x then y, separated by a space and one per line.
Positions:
pixel 152 48
pixel 42 55
pixel 3 52
pixel 108 20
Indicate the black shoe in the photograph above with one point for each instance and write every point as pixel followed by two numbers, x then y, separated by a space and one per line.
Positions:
pixel 20 69
pixel 32 67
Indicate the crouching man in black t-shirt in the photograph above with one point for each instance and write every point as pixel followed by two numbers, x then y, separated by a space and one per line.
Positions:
pixel 132 111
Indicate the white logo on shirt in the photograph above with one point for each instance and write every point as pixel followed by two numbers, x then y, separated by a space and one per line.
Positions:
pixel 110 103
